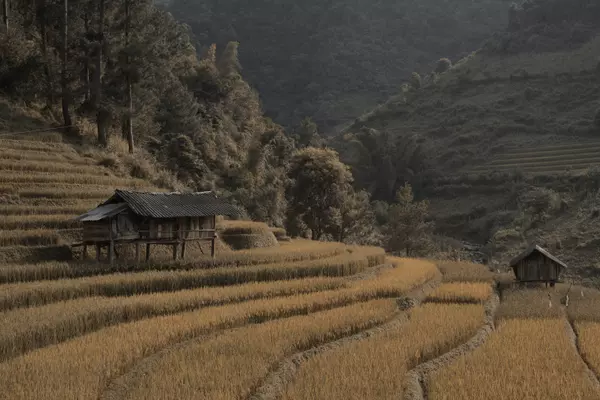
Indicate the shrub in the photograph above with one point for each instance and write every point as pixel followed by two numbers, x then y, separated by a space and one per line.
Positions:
pixel 416 81
pixel 443 65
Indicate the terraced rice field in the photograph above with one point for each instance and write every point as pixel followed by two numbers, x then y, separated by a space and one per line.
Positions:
pixel 303 320
pixel 545 159
pixel 87 337
pixel 42 187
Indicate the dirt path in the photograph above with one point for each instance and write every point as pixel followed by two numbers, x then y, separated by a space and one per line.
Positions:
pixel 574 339
pixel 416 379
pixel 275 383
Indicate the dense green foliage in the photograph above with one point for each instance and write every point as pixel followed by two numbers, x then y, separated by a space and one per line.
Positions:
pixel 196 116
pixel 333 59
pixel 323 202
pixel 408 230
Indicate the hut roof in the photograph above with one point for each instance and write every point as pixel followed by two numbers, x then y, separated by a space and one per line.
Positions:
pixel 160 205
pixel 99 213
pixel 172 204
pixel 539 249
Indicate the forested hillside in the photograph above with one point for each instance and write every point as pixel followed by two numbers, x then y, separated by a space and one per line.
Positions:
pixel 331 60
pixel 106 70
pixel 503 142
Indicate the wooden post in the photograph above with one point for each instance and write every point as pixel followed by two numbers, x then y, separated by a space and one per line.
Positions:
pixel 85 253
pixel 98 251
pixel 137 252
pixel 175 248
pixel 147 252
pixel 212 247
pixel 111 251
pixel 183 250
pixel 111 245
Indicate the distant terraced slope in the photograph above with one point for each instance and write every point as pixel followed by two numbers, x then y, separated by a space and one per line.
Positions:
pixel 42 187
pixel 545 160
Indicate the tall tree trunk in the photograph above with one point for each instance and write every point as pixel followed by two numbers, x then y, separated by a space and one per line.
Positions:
pixel 43 26
pixel 86 64
pixel 129 116
pixel 63 76
pixel 5 7
pixel 101 115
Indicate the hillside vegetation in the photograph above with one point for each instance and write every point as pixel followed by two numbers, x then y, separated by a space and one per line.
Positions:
pixel 126 76
pixel 332 60
pixel 502 143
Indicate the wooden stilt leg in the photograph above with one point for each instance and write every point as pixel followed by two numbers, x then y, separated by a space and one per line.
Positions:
pixel 183 250
pixel 98 252
pixel 147 252
pixel 111 252
pixel 137 252
pixel 85 252
pixel 212 248
pixel 175 248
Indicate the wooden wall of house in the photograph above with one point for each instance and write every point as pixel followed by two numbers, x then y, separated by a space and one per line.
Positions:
pixel 123 227
pixel 537 268
pixel 127 227
pixel 96 231
pixel 165 229
pixel 191 227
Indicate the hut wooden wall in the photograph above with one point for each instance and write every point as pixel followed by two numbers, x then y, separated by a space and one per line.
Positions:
pixel 96 231
pixel 191 227
pixel 537 268
pixel 123 227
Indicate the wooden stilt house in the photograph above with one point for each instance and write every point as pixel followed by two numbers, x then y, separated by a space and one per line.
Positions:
pixel 537 265
pixel 144 218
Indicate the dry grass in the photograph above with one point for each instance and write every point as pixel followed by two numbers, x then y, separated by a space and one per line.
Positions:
pixel 32 237
pixel 45 292
pixel 530 303
pixel 454 271
pixel 35 155
pixel 584 303
pixel 63 193
pixel 82 367
pixel 16 177
pixel 241 353
pixel 35 145
pixel 461 292
pixel 27 210
pixel 52 221
pixel 280 233
pixel 42 166
pixel 374 368
pixel 412 272
pixel 588 334
pixel 242 227
pixel 246 234
pixel 524 359
pixel 300 250
pixel 27 329
pixel 250 241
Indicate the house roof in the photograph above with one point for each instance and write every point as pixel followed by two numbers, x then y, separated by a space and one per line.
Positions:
pixel 102 212
pixel 173 204
pixel 537 248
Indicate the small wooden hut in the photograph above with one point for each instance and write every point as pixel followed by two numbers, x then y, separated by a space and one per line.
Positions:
pixel 537 265
pixel 171 219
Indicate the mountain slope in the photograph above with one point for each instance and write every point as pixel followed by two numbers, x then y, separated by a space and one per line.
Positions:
pixel 331 60
pixel 503 144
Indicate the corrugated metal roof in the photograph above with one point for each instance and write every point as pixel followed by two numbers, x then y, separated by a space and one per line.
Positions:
pixel 174 204
pixel 530 250
pixel 102 212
